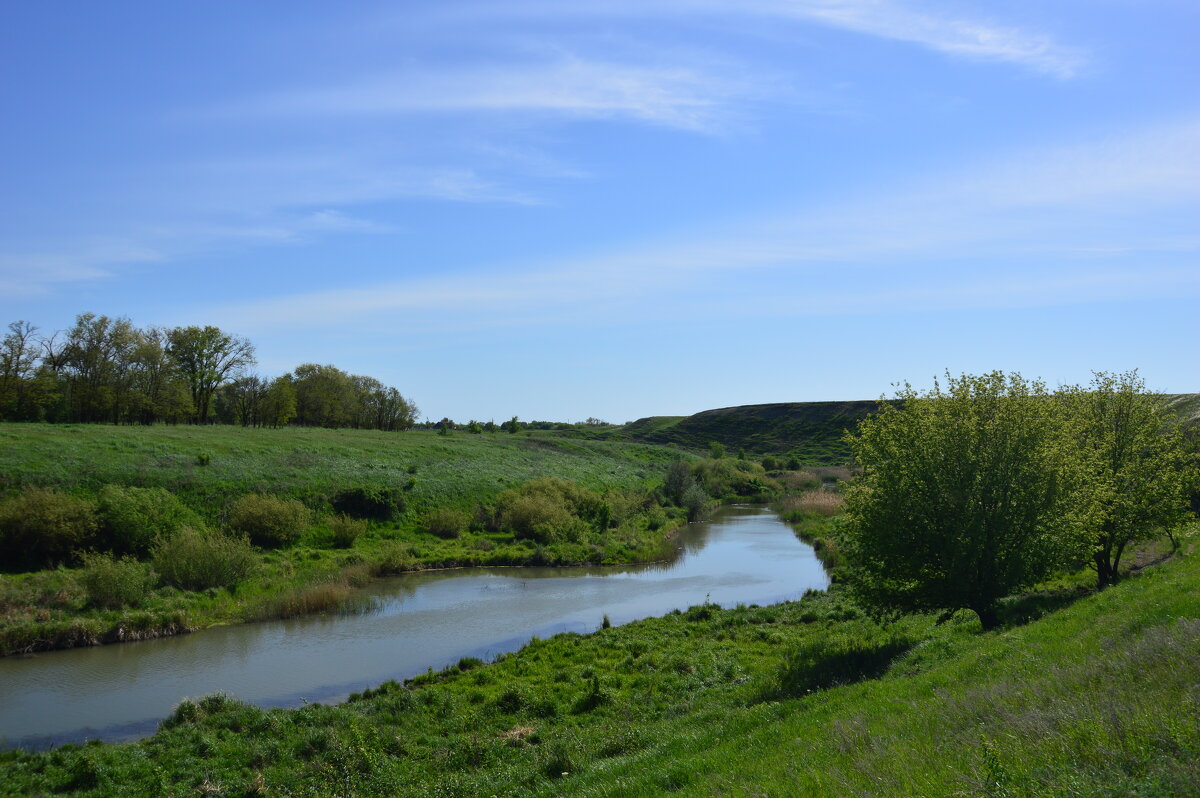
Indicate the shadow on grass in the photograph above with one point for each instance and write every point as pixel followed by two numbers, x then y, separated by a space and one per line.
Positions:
pixel 833 661
pixel 1020 610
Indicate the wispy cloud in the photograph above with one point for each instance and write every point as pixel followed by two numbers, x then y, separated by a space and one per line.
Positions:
pixel 1021 232
pixel 969 38
pixel 923 24
pixel 680 97
pixel 32 273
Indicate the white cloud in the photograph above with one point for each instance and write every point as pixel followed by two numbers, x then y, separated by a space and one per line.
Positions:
pixel 679 97
pixel 1054 215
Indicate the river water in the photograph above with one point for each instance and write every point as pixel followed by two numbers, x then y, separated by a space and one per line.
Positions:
pixel 743 555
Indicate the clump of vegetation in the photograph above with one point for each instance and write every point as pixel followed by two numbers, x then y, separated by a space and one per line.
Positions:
pixel 40 527
pixel 552 509
pixel 446 522
pixel 376 503
pixel 113 583
pixel 197 559
pixel 819 503
pixel 696 502
pixel 346 530
pixel 269 521
pixel 131 518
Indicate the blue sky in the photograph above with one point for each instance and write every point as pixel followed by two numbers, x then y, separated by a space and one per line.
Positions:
pixel 617 209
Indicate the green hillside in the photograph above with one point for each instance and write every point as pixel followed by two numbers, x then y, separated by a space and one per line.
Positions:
pixel 810 431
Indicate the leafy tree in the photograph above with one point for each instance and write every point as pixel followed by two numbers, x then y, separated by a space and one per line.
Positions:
pixel 206 357
pixel 512 426
pixel 18 361
pixel 1138 474
pixel 716 450
pixel 968 494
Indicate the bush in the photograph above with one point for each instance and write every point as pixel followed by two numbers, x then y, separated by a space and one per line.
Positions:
pixel 696 502
pixel 346 530
pixel 552 509
pixel 376 503
pixel 131 518
pixel 813 503
pixel 42 527
pixel 270 521
pixel 196 559
pixel 446 522
pixel 114 583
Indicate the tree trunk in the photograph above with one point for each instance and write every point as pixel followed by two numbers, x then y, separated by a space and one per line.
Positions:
pixel 1105 575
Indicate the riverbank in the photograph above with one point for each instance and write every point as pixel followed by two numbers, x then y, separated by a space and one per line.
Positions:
pixel 430 503
pixel 1092 698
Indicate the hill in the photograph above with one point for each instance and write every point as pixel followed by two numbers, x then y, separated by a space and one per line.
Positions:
pixel 812 432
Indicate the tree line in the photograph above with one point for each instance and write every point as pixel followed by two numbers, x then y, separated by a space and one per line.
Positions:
pixel 106 370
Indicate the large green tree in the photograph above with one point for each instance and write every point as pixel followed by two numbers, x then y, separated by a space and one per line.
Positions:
pixel 206 358
pixel 969 492
pixel 1139 475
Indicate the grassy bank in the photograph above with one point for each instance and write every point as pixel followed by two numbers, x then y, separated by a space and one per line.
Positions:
pixel 447 501
pixel 805 698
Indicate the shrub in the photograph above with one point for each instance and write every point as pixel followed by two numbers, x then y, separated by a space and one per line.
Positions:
pixel 270 521
pixel 196 559
pixel 115 583
pixel 552 509
pixel 376 503
pixel 696 502
pixel 346 530
pixel 42 527
pixel 446 522
pixel 131 518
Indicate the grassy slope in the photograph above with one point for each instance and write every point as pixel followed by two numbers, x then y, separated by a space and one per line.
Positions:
pixel 310 464
pixel 811 431
pixel 1099 698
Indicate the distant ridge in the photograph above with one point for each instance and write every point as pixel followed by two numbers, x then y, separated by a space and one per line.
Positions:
pixel 813 432
pixel 810 431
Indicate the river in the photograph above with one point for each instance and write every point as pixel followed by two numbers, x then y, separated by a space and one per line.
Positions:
pixel 743 555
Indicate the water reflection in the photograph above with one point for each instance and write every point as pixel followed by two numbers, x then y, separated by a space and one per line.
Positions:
pixel 431 619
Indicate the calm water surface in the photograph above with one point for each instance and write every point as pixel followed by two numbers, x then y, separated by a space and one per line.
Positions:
pixel 744 555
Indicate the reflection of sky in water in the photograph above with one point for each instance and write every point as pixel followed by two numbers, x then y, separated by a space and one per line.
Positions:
pixel 745 555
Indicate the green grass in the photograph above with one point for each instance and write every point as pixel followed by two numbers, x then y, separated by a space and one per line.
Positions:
pixel 1096 698
pixel 51 609
pixel 311 464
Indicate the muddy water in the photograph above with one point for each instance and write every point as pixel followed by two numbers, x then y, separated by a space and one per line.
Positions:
pixel 743 555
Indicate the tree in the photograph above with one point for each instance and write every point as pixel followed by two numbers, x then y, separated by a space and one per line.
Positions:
pixel 1138 474
pixel 968 494
pixel 206 357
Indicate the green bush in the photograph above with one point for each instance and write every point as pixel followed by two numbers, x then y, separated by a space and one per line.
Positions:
pixel 696 502
pixel 41 527
pixel 131 518
pixel 446 522
pixel 196 559
pixel 551 509
pixel 114 583
pixel 346 530
pixel 376 503
pixel 270 521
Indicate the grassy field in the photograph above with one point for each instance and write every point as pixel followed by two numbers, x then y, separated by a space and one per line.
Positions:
pixel 210 468
pixel 311 464
pixel 808 698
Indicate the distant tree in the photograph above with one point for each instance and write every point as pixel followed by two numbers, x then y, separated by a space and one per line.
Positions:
pixel 206 357
pixel 18 367
pixel 512 426
pixel 968 493
pixel 325 396
pixel 474 427
pixel 1138 470
pixel 96 361
pixel 489 426
pixel 678 479
pixel 279 404
pixel 716 450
